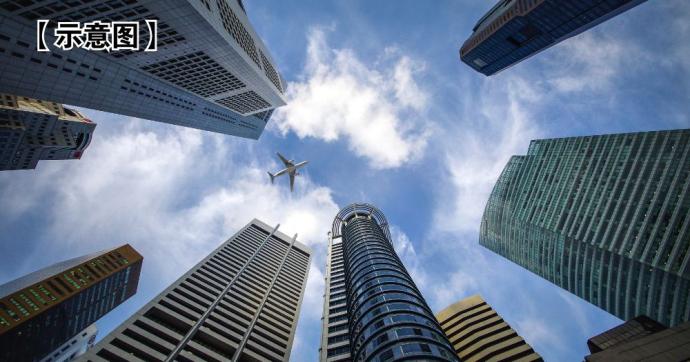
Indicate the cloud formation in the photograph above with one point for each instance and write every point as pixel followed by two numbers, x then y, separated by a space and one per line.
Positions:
pixel 494 128
pixel 378 109
pixel 590 62
pixel 173 193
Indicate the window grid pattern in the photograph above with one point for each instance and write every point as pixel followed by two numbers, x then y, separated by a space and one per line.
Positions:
pixel 84 11
pixel 78 76
pixel 241 302
pixel 196 72
pixel 605 217
pixel 335 334
pixel 271 73
pixel 244 103
pixel 234 27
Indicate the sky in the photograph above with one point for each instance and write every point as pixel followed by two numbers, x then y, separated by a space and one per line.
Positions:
pixel 386 113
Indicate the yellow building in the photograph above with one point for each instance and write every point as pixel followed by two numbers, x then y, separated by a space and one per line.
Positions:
pixel 478 333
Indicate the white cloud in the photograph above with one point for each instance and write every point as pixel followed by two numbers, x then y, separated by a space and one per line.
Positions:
pixel 147 188
pixel 537 331
pixel 589 62
pixel 173 193
pixel 493 129
pixel 454 287
pixel 379 110
pixel 408 255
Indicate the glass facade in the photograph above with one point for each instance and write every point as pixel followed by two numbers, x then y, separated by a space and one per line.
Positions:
pixel 373 310
pixel 514 30
pixel 604 217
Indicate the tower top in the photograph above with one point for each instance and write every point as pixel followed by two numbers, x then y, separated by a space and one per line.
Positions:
pixel 359 209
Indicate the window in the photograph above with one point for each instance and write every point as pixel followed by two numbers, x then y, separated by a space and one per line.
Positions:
pixel 386 356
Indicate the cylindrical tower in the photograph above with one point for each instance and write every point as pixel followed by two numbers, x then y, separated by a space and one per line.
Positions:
pixel 388 317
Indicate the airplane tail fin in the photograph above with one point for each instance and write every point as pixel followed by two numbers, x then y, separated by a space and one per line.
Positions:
pixel 272 176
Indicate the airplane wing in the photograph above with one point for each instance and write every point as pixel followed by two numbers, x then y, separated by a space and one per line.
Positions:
pixel 292 181
pixel 301 164
pixel 281 172
pixel 285 160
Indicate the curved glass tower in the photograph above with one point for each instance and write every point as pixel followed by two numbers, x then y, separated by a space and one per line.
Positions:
pixel 605 217
pixel 373 311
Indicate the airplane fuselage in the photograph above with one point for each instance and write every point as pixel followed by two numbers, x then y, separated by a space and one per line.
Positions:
pixel 290 169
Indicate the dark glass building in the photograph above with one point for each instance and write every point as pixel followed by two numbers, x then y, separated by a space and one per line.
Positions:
pixel 604 217
pixel 42 310
pixel 372 309
pixel 240 303
pixel 629 331
pixel 641 339
pixel 514 30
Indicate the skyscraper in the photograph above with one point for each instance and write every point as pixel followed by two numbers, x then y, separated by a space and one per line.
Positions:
pixel 514 30
pixel 210 71
pixel 478 333
pixel 372 309
pixel 42 310
pixel 75 347
pixel 641 339
pixel 239 303
pixel 33 130
pixel 604 217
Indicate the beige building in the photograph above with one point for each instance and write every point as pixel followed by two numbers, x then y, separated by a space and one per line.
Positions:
pixel 478 333
pixel 32 130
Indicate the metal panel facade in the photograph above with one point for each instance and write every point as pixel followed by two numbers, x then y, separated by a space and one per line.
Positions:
pixel 239 303
pixel 604 217
pixel 211 71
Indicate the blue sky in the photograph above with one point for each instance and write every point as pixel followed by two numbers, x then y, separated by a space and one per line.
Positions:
pixel 386 113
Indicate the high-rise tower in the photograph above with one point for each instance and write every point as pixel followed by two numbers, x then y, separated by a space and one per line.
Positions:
pixel 211 71
pixel 33 130
pixel 478 333
pixel 514 30
pixel 239 303
pixel 44 309
pixel 604 217
pixel 372 309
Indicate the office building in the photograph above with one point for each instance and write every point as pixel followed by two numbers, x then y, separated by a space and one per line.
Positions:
pixel 41 311
pixel 514 30
pixel 373 310
pixel 33 130
pixel 478 333
pixel 75 347
pixel 239 303
pixel 604 217
pixel 210 70
pixel 641 339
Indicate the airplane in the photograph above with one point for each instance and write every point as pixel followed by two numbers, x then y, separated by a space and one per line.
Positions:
pixel 290 169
